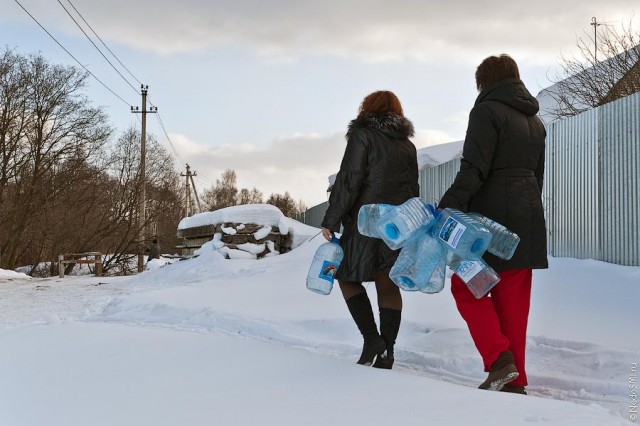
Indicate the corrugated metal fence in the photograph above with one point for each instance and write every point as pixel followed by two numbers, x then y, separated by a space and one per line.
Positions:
pixel 592 184
pixel 591 191
pixel 313 216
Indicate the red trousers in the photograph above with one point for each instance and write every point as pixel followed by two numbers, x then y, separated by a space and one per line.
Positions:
pixel 498 322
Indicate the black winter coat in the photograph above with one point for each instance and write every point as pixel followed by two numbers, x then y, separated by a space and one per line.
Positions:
pixel 502 170
pixel 379 166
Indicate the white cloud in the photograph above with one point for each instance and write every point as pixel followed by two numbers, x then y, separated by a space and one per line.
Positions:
pixel 372 30
pixel 299 164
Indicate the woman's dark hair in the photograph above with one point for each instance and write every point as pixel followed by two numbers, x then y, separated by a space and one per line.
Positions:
pixel 495 68
pixel 381 101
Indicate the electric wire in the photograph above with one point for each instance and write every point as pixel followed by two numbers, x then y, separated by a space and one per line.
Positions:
pixel 175 152
pixel 97 48
pixel 169 139
pixel 69 53
pixel 103 43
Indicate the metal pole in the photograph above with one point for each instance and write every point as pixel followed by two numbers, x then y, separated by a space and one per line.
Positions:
pixel 142 207
pixel 188 191
pixel 142 180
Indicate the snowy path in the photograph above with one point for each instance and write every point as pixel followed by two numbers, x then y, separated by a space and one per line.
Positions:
pixel 195 328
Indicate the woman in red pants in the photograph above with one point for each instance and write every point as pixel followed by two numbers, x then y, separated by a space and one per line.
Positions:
pixel 500 177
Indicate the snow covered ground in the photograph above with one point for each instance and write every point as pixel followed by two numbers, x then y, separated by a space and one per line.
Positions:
pixel 243 342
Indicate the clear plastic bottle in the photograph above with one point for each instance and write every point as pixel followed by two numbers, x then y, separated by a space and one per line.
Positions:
pixel 403 223
pixel 368 217
pixel 503 241
pixel 324 266
pixel 420 266
pixel 479 277
pixel 462 235
pixel 436 281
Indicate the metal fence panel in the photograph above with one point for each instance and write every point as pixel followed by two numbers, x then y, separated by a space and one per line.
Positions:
pixel 313 216
pixel 620 180
pixel 434 181
pixel 570 192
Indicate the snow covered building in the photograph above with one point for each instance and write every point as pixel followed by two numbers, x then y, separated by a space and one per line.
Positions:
pixel 594 86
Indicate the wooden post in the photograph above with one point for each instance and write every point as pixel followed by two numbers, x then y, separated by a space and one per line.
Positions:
pixel 61 265
pixel 98 265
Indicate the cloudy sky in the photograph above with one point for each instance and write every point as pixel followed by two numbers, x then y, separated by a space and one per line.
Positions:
pixel 267 87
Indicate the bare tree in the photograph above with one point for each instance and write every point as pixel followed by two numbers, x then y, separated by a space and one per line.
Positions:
pixel 285 203
pixel 250 196
pixel 46 123
pixel 223 194
pixel 599 73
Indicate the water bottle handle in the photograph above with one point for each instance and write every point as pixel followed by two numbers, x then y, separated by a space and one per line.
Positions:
pixel 433 209
pixel 334 239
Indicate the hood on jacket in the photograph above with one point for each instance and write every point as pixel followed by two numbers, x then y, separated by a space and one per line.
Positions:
pixel 393 125
pixel 510 91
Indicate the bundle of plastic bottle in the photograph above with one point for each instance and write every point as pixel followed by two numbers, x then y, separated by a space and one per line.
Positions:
pixel 397 226
pixel 461 240
pixel 324 266
pixel 369 216
pixel 479 277
pixel 461 234
pixel 421 266
pixel 503 242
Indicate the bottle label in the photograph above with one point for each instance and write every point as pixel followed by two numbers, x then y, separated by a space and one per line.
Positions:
pixel 328 270
pixel 451 232
pixel 468 269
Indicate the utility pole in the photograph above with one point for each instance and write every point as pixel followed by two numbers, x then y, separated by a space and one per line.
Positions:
pixel 189 177
pixel 142 181
pixel 195 192
pixel 595 24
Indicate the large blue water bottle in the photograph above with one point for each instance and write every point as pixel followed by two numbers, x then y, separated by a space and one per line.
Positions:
pixel 503 241
pixel 479 277
pixel 368 217
pixel 420 266
pixel 403 223
pixel 324 266
pixel 436 281
pixel 461 234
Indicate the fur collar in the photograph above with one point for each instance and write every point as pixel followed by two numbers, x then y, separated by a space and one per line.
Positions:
pixel 385 121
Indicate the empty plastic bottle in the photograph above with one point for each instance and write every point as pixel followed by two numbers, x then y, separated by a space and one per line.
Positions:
pixel 368 217
pixel 462 235
pixel 420 266
pixel 403 223
pixel 324 266
pixel 476 274
pixel 503 241
pixel 436 281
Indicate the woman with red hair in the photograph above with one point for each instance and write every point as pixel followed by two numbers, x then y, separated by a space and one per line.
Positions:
pixel 379 166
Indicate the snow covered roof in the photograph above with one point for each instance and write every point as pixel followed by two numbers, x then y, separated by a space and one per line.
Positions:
pixel 625 84
pixel 429 156
pixel 260 214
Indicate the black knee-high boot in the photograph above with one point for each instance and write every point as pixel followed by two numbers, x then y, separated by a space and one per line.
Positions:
pixel 389 327
pixel 360 309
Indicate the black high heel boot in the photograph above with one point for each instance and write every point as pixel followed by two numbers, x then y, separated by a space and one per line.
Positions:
pixel 374 346
pixel 389 327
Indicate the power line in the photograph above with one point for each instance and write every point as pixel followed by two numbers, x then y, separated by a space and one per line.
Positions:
pixel 69 53
pixel 169 139
pixel 97 48
pixel 103 43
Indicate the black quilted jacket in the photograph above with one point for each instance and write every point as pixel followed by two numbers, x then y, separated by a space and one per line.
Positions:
pixel 379 166
pixel 502 170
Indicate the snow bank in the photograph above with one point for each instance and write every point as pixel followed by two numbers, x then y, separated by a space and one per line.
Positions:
pixel 6 275
pixel 260 214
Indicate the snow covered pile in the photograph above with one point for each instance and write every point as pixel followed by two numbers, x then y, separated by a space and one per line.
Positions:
pixel 248 231
pixel 6 275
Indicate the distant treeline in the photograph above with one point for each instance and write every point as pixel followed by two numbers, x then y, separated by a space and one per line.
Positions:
pixel 69 181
